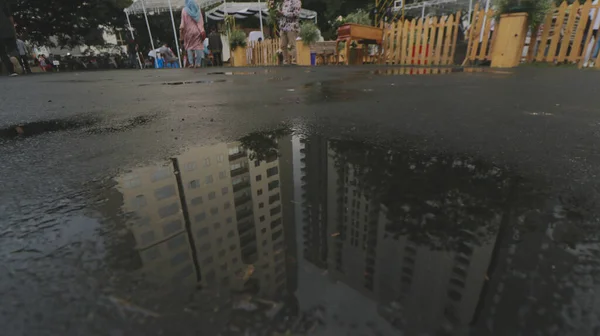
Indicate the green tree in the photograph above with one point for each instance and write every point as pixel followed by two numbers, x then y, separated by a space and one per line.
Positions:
pixel 72 22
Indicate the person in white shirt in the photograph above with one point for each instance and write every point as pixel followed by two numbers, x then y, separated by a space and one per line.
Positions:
pixel 594 22
pixel 23 58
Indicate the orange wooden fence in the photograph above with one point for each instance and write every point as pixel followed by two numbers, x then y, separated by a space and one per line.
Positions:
pixel 480 35
pixel 565 34
pixel 425 41
pixel 262 53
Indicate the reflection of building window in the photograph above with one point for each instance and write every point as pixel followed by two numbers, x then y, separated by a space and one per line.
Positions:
pixel 184 273
pixel 230 234
pixel 164 192
pixel 160 174
pixel 220 158
pixel 214 211
pixel 208 261
pixel 210 276
pixel 205 247
pixel 273 185
pixel 222 253
pixel 168 210
pixel 227 205
pixel 256 163
pixel 197 200
pixel 274 198
pixel 262 218
pixel 217 225
pixel 264 243
pixel 190 166
pixel 147 237
pixel 275 210
pixel 139 202
pixel 179 258
pixel 275 223
pixel 258 178
pixel 232 247
pixel 212 195
pixel 263 230
pixel 222 174
pixel 132 182
pixel 172 227
pixel 150 254
pixel 259 192
pixel 235 166
pixel 224 190
pixel 200 217
pixel 209 179
pixel 234 150
pixel 234 260
pixel 202 232
pixel 276 235
pixel 229 220
pixel 176 242
pixel 194 184
pixel 261 205
pixel 272 171
pixel 207 162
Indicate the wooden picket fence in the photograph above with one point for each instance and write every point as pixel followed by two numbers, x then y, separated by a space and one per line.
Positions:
pixel 563 37
pixel 480 36
pixel 262 53
pixel 424 41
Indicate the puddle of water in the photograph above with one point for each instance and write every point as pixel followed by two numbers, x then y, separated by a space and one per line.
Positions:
pixel 277 232
pixel 196 82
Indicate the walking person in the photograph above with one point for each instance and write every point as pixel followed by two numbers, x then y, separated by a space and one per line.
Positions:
pixel 132 50
pixel 289 26
pixel 192 32
pixel 8 40
pixel 23 58
pixel 215 44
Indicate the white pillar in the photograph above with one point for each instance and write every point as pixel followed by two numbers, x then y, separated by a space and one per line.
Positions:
pixel 175 34
pixel 423 11
pixel 260 19
pixel 149 31
pixel 133 37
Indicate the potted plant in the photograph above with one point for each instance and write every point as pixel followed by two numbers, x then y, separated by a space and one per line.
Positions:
pixel 309 34
pixel 237 43
pixel 515 18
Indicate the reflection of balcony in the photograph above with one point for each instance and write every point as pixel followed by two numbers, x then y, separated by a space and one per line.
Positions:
pixel 245 198
pixel 245 227
pixel 237 155
pixel 248 239
pixel 249 254
pixel 243 214
pixel 238 171
pixel 241 186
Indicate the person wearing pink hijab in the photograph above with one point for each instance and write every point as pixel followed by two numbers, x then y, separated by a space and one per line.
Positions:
pixel 192 32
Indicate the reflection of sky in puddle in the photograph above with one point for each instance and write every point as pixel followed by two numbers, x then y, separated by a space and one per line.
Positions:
pixel 321 236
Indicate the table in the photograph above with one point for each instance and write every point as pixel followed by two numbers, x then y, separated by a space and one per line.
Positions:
pixel 355 32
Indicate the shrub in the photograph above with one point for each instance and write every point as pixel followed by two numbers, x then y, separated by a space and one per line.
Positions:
pixel 536 9
pixel 309 33
pixel 237 38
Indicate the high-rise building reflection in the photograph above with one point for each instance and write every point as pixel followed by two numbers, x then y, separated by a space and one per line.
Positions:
pixel 349 230
pixel 212 216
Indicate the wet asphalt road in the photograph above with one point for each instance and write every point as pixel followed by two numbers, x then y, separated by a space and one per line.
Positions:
pixel 328 201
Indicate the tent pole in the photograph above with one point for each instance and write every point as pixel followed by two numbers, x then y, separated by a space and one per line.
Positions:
pixel 260 19
pixel 175 34
pixel 133 37
pixel 149 31
pixel 470 12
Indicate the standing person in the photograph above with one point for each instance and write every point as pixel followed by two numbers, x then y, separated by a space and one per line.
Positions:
pixel 8 41
pixel 192 32
pixel 23 56
pixel 594 21
pixel 289 26
pixel 216 47
pixel 132 50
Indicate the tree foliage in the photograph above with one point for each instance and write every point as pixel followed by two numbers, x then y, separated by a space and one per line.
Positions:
pixel 72 22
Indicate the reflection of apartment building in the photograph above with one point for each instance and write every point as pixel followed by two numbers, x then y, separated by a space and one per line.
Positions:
pixel 151 195
pixel 418 290
pixel 212 215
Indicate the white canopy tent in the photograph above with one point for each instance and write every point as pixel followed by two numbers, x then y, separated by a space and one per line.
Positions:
pixel 158 6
